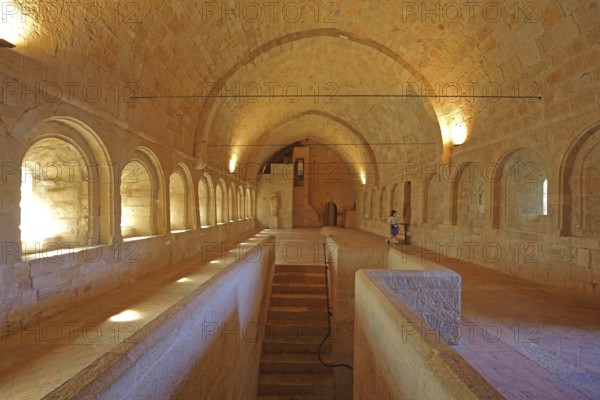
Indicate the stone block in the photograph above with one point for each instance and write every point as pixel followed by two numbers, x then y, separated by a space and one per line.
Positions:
pixel 565 31
pixel 44 280
pixel 595 276
pixel 551 15
pixel 590 243
pixel 42 268
pixel 394 348
pixel 434 295
pixel 583 257
pixel 22 275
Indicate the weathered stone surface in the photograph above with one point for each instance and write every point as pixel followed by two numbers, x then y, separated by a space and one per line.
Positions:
pixel 396 356
pixel 434 295
pixel 200 346
pixel 376 111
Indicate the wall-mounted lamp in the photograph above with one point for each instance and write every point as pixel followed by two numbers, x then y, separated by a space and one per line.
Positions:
pixel 458 133
pixel 232 163
pixel 363 178
pixel 7 44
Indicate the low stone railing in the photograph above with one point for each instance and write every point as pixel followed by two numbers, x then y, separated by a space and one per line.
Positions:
pixel 430 290
pixel 397 354
pixel 206 346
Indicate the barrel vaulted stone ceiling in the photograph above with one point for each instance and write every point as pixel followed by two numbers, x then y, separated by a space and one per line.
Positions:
pixel 176 52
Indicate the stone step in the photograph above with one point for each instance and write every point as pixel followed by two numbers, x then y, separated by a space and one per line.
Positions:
pixel 316 268
pixel 296 326
pixel 279 313
pixel 296 335
pixel 290 330
pixel 295 384
pixel 298 299
pixel 300 345
pixel 299 277
pixel 307 288
pixel 292 397
pixel 293 364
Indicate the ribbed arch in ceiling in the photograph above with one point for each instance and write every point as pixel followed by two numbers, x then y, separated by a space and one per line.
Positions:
pixel 361 156
pixel 209 110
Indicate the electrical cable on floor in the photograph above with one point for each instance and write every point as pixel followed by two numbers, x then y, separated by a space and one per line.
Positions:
pixel 329 315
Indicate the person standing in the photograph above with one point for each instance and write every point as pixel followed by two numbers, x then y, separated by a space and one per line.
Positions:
pixel 393 223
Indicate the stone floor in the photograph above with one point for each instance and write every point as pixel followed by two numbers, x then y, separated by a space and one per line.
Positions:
pixel 530 341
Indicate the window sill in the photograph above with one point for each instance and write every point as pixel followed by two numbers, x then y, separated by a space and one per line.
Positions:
pixel 57 253
pixel 181 231
pixel 134 238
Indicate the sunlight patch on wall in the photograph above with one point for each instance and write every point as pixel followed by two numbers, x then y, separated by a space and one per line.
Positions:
pixel 15 24
pixel 37 222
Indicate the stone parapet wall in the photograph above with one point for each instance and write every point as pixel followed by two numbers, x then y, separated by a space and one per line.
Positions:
pixel 345 258
pixel 221 323
pixel 42 277
pixel 397 356
pixel 431 291
pixel 50 282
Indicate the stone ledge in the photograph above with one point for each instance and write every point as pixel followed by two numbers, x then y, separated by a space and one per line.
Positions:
pixel 160 345
pixel 170 311
pixel 397 356
pixel 433 295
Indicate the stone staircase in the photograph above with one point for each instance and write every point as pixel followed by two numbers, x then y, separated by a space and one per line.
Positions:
pixel 296 325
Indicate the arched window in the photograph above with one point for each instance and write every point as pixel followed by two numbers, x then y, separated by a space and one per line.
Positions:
pixel 181 201
pixel 545 197
pixel 177 202
pixel 211 200
pixel 248 203
pixel 231 204
pixel 142 198
pixel 220 204
pixel 204 203
pixel 136 200
pixel 241 203
pixel 519 192
pixel 67 188
pixel 55 201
